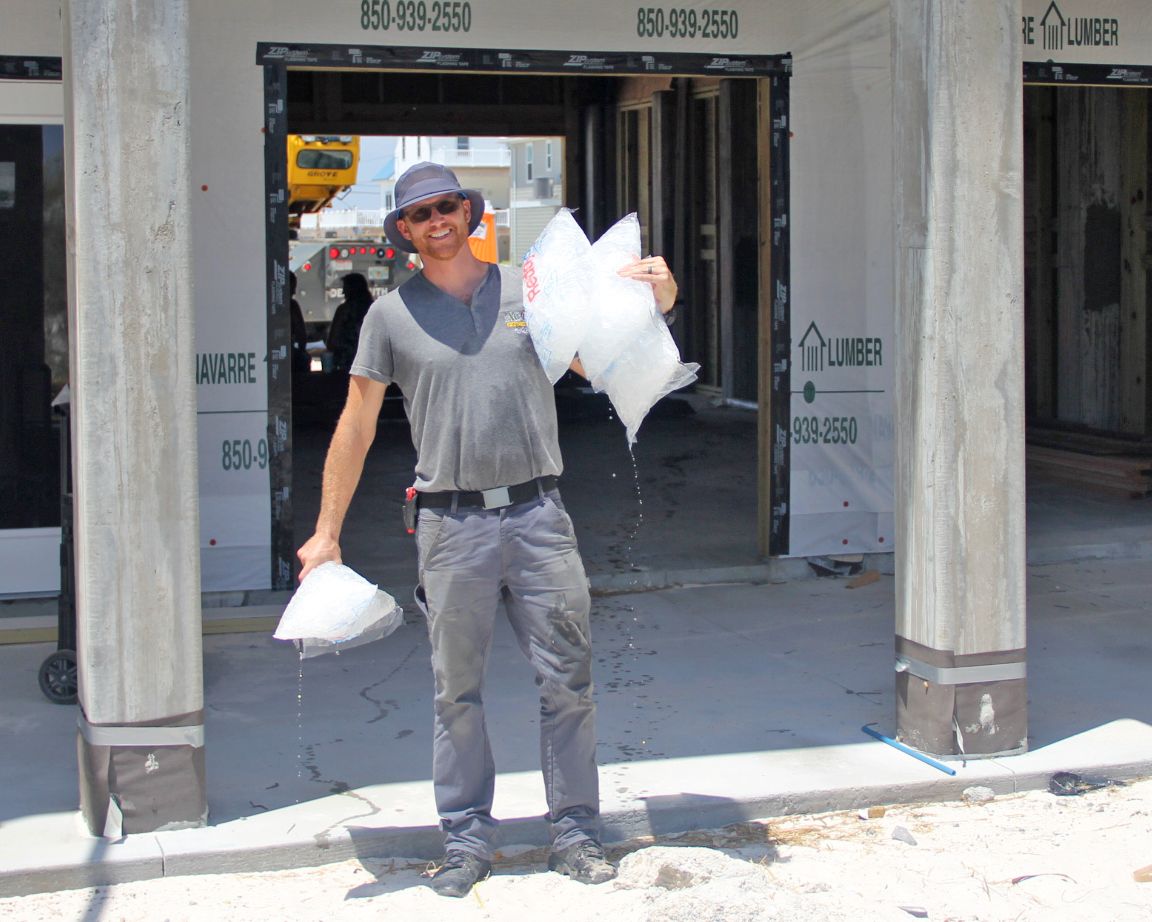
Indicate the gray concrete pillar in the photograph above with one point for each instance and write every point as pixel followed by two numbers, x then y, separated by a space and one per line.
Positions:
pixel 960 558
pixel 140 742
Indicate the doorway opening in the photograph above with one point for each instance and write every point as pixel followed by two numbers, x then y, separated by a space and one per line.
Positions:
pixel 1088 339
pixel 621 144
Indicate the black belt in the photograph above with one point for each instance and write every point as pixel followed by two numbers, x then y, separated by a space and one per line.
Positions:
pixel 496 498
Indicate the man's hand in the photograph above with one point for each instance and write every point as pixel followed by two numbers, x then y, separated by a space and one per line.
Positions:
pixel 317 550
pixel 654 271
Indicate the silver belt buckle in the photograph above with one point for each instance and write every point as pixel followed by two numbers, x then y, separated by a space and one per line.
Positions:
pixel 496 498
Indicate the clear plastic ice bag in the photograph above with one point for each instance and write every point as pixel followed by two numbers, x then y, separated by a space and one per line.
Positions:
pixel 335 608
pixel 585 307
pixel 643 373
pixel 556 292
pixel 622 312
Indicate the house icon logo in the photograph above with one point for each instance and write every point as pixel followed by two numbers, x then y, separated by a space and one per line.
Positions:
pixel 1060 32
pixel 812 345
pixel 1053 25
pixel 818 352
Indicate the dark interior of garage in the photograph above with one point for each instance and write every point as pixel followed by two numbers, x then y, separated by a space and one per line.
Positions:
pixel 1088 267
pixel 682 154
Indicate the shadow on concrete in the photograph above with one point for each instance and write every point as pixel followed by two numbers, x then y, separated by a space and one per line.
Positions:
pixel 672 813
pixel 1089 646
pixel 717 704
pixel 681 674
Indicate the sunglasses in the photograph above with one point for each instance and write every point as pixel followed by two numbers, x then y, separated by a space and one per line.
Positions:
pixel 445 206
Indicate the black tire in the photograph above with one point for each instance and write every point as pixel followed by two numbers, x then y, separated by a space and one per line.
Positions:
pixel 58 677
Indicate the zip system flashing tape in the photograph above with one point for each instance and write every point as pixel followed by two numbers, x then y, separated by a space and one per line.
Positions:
pixel 141 737
pixel 961 675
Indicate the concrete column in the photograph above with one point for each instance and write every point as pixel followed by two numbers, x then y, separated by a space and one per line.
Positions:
pixel 140 743
pixel 960 558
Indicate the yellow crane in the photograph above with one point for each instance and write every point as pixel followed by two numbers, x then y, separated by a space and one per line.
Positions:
pixel 320 167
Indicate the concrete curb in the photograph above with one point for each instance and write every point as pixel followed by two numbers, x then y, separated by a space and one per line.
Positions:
pixel 710 792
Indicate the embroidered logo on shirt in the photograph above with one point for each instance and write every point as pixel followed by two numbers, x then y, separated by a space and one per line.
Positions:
pixel 514 320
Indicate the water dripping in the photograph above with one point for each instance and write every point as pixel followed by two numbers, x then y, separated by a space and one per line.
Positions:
pixel 300 722
pixel 639 510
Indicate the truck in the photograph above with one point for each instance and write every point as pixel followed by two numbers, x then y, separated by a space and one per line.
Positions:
pixel 321 264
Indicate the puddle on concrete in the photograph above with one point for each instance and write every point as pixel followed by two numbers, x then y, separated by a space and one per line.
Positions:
pixel 624 681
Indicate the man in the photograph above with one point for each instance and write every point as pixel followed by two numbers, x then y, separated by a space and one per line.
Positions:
pixel 491 524
pixel 301 363
pixel 344 331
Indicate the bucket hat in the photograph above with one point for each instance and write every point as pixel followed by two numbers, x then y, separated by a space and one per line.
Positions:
pixel 423 181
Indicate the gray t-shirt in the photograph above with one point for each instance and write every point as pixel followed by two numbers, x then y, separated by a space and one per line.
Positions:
pixel 482 410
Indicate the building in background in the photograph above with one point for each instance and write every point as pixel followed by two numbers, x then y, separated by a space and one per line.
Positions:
pixel 479 163
pixel 537 193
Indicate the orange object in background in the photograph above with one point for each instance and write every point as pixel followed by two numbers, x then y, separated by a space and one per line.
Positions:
pixel 483 239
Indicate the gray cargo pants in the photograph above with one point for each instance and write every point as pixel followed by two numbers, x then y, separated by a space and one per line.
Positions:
pixel 527 555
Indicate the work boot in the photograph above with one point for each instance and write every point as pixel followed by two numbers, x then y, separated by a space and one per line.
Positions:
pixel 583 861
pixel 459 872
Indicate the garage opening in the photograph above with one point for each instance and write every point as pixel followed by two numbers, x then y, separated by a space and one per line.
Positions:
pixel 33 328
pixel 1088 274
pixel 698 157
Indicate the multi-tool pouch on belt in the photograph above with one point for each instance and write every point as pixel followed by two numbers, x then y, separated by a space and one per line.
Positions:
pixel 410 510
